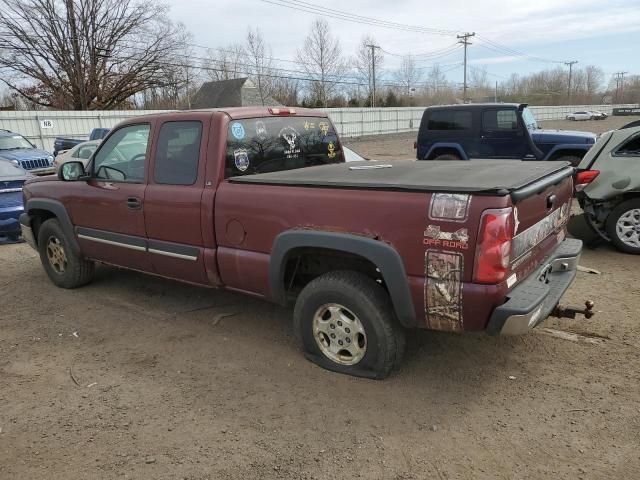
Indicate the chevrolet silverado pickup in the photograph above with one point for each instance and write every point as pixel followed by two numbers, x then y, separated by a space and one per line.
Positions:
pixel 260 201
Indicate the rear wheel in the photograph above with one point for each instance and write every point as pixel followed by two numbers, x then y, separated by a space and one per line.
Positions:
pixel 623 226
pixel 447 156
pixel 346 324
pixel 64 268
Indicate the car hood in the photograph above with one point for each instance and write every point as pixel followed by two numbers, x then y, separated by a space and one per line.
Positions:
pixel 30 154
pixel 563 136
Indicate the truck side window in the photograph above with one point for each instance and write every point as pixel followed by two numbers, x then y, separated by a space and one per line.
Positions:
pixel 121 157
pixel 450 120
pixel 178 153
pixel 630 148
pixel 499 120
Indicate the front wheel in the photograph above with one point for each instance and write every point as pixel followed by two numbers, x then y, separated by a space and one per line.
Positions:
pixel 345 322
pixel 623 226
pixel 64 268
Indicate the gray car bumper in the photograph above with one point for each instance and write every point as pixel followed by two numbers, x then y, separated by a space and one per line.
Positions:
pixel 536 297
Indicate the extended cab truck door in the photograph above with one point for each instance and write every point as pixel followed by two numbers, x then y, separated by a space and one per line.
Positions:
pixel 108 209
pixel 174 196
pixel 502 134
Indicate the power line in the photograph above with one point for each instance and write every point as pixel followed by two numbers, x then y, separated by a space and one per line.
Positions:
pixel 428 55
pixel 490 44
pixel 341 15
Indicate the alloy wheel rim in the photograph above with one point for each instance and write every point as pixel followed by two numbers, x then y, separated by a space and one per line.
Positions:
pixel 339 334
pixel 628 228
pixel 56 256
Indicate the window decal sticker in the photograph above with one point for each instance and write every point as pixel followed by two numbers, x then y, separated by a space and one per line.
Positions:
pixel 238 131
pixel 242 159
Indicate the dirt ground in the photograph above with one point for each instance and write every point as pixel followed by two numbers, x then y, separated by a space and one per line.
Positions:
pixel 142 378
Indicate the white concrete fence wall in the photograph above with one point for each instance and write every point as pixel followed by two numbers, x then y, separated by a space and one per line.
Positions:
pixel 42 127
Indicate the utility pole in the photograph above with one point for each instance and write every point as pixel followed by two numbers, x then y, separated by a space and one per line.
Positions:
pixel 495 95
pixel 373 73
pixel 619 84
pixel 464 40
pixel 571 64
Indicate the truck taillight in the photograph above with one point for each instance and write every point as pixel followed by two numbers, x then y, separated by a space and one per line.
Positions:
pixel 493 252
pixel 584 178
pixel 282 111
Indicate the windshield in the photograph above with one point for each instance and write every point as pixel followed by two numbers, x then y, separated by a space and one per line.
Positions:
pixel 529 119
pixel 15 142
pixel 272 144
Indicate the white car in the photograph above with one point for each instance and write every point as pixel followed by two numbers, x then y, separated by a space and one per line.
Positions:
pixel 597 115
pixel 580 116
pixel 80 153
pixel 351 155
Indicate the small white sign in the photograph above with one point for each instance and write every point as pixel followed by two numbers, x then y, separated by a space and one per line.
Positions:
pixel 46 123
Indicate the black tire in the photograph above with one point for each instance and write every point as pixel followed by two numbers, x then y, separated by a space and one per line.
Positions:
pixel 66 269
pixel 572 159
pixel 447 156
pixel 612 222
pixel 370 304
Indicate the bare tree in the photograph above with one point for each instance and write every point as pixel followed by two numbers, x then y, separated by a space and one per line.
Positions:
pixel 260 64
pixel 363 62
pixel 479 80
pixel 321 59
pixel 594 78
pixel 85 54
pixel 438 90
pixel 226 63
pixel 408 75
pixel 286 91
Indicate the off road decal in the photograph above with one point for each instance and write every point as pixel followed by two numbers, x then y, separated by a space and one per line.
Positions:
pixel 443 290
pixel 449 206
pixel 434 237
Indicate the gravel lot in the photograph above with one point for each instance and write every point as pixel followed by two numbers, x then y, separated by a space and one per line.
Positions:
pixel 138 377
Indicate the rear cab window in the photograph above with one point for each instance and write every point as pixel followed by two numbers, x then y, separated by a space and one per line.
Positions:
pixel 446 120
pixel 272 144
pixel 178 153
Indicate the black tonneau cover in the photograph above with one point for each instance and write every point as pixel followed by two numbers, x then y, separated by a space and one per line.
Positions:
pixel 497 177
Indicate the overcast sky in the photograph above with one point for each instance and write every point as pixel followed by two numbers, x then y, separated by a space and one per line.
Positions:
pixel 600 32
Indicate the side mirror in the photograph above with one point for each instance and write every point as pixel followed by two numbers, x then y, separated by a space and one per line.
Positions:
pixel 71 171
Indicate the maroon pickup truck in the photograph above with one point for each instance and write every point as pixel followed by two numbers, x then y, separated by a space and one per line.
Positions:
pixel 260 201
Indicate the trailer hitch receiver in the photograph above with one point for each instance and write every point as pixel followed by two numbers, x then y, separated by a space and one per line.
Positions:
pixel 571 312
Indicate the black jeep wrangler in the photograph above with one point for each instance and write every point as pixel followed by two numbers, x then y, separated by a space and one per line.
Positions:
pixel 495 130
